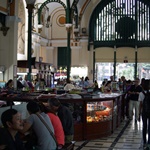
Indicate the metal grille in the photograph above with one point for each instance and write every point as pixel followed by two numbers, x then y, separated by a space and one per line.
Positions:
pixel 121 23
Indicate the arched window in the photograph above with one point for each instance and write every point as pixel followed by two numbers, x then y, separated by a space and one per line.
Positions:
pixel 120 23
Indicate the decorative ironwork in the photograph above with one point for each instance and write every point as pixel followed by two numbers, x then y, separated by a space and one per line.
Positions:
pixel 74 12
pixel 120 23
pixel 47 2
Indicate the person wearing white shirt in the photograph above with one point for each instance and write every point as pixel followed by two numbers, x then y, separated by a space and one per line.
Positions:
pixel 24 82
pixel 69 86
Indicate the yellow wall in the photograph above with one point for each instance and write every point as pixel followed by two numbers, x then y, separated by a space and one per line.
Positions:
pixel 107 54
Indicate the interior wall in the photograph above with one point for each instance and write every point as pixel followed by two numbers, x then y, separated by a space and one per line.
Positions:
pixel 127 52
pixel 47 54
pixel 105 54
pixel 58 24
pixel 144 54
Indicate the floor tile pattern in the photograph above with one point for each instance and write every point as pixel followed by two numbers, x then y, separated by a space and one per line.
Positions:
pixel 128 136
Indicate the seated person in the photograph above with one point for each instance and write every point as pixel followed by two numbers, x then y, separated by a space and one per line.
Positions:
pixel 44 138
pixel 9 137
pixel 103 86
pixel 81 83
pixel 24 82
pixel 58 128
pixel 40 85
pixel 65 116
pixel 9 86
pixel 69 86
pixel 95 86
pixel 86 83
pixel 107 88
pixel 19 84
pixel 10 91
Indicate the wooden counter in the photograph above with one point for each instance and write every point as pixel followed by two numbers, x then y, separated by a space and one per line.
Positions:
pixel 84 130
pixel 91 130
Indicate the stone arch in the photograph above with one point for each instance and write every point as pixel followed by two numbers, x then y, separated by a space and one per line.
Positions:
pixel 47 2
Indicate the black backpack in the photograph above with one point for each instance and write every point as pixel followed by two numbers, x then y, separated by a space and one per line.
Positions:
pixel 146 105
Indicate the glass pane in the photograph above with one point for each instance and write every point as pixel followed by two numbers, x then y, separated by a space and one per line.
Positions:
pixel 105 70
pixel 144 70
pixel 125 69
pixel 99 111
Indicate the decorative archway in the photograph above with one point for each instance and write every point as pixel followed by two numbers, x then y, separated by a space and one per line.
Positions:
pixel 44 4
pixel 68 10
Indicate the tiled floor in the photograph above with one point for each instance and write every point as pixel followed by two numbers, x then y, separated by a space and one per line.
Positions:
pixel 128 136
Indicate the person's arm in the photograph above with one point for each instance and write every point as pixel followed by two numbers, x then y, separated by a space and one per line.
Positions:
pixel 130 90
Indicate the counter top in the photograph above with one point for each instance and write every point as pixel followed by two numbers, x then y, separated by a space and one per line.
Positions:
pixel 26 97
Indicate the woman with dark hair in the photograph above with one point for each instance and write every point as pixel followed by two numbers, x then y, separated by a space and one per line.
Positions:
pixel 145 117
pixel 44 139
pixel 9 86
pixel 9 90
pixel 107 88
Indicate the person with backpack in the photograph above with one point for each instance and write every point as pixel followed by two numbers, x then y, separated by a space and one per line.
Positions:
pixel 144 98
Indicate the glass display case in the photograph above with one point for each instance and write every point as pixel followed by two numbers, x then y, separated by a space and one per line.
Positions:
pixel 99 111
pixel 95 117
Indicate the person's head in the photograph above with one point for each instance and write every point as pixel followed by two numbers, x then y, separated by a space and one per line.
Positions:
pixel 11 119
pixel 82 78
pixel 104 83
pixel 123 78
pixel 128 82
pixel 19 78
pixel 86 78
pixel 33 107
pixel 111 78
pixel 108 83
pixel 54 104
pixel 43 108
pixel 137 81
pixel 42 82
pixel 9 83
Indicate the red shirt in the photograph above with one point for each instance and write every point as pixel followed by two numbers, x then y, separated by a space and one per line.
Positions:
pixel 59 132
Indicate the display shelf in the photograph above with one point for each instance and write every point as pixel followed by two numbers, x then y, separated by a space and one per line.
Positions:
pixel 95 117
pixel 99 111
